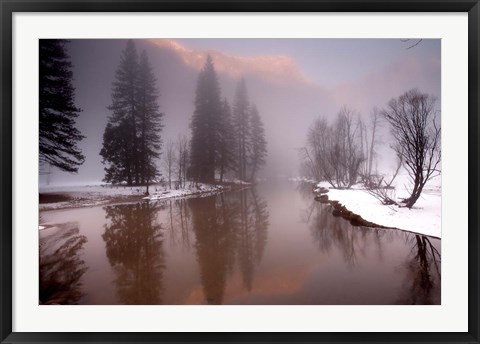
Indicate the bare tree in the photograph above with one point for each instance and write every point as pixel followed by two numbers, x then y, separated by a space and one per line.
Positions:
pixel 381 189
pixel 346 156
pixel 371 150
pixel 395 173
pixel 412 43
pixel 169 161
pixel 415 127
pixel 182 159
pixel 369 141
pixel 315 154
pixel 333 153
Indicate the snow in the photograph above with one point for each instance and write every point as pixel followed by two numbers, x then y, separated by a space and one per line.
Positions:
pixel 88 195
pixel 104 189
pixel 203 189
pixel 423 218
pixel 100 194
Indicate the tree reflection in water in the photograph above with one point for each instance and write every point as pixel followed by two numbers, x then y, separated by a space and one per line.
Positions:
pixel 179 223
pixel 423 272
pixel 251 234
pixel 134 246
pixel 422 265
pixel 228 226
pixel 333 232
pixel 61 267
pixel 214 245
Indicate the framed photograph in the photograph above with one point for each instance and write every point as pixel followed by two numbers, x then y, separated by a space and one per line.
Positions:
pixel 243 171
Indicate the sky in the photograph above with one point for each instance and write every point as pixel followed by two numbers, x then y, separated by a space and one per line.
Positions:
pixel 292 82
pixel 328 62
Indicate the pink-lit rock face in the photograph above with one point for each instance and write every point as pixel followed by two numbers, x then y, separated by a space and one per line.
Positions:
pixel 276 69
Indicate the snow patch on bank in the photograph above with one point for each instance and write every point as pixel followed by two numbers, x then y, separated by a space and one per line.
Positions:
pixel 74 196
pixel 424 217
pixel 200 189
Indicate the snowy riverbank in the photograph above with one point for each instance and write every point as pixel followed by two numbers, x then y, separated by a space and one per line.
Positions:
pixel 74 196
pixel 423 218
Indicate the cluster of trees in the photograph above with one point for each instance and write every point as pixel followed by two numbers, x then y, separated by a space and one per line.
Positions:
pixel 333 152
pixel 221 141
pixel 224 139
pixel 176 161
pixel 342 153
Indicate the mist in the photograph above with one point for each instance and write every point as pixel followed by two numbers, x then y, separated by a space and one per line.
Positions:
pixel 291 81
pixel 218 171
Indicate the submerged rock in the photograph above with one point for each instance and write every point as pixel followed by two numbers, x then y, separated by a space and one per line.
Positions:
pixel 321 190
pixel 340 210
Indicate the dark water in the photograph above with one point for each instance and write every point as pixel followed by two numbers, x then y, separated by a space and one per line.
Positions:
pixel 269 245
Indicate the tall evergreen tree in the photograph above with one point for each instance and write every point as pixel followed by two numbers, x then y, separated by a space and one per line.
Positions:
pixel 119 138
pixel 226 139
pixel 149 122
pixel 257 143
pixel 131 140
pixel 241 122
pixel 58 137
pixel 204 125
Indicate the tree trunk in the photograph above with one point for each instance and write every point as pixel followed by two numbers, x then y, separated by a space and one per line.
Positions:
pixel 221 173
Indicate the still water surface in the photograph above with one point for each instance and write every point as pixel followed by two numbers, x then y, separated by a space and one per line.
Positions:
pixel 270 245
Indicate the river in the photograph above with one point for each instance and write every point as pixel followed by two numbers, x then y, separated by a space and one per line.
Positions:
pixel 273 244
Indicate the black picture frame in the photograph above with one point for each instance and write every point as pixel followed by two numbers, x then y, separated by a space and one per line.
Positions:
pixel 8 7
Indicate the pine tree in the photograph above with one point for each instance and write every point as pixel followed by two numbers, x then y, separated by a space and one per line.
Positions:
pixel 204 125
pixel 58 137
pixel 149 122
pixel 241 122
pixel 257 142
pixel 226 145
pixel 131 141
pixel 120 132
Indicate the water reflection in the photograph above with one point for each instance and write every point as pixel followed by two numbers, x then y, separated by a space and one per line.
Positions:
pixel 251 234
pixel 225 231
pixel 214 245
pixel 420 268
pixel 331 232
pixel 423 271
pixel 228 227
pixel 61 267
pixel 232 247
pixel 134 247
pixel 179 223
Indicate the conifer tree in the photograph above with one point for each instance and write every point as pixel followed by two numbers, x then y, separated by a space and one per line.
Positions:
pixel 257 142
pixel 131 140
pixel 205 125
pixel 226 139
pixel 58 137
pixel 120 132
pixel 241 122
pixel 149 122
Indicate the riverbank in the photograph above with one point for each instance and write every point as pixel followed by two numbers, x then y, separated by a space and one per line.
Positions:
pixel 424 217
pixel 77 196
